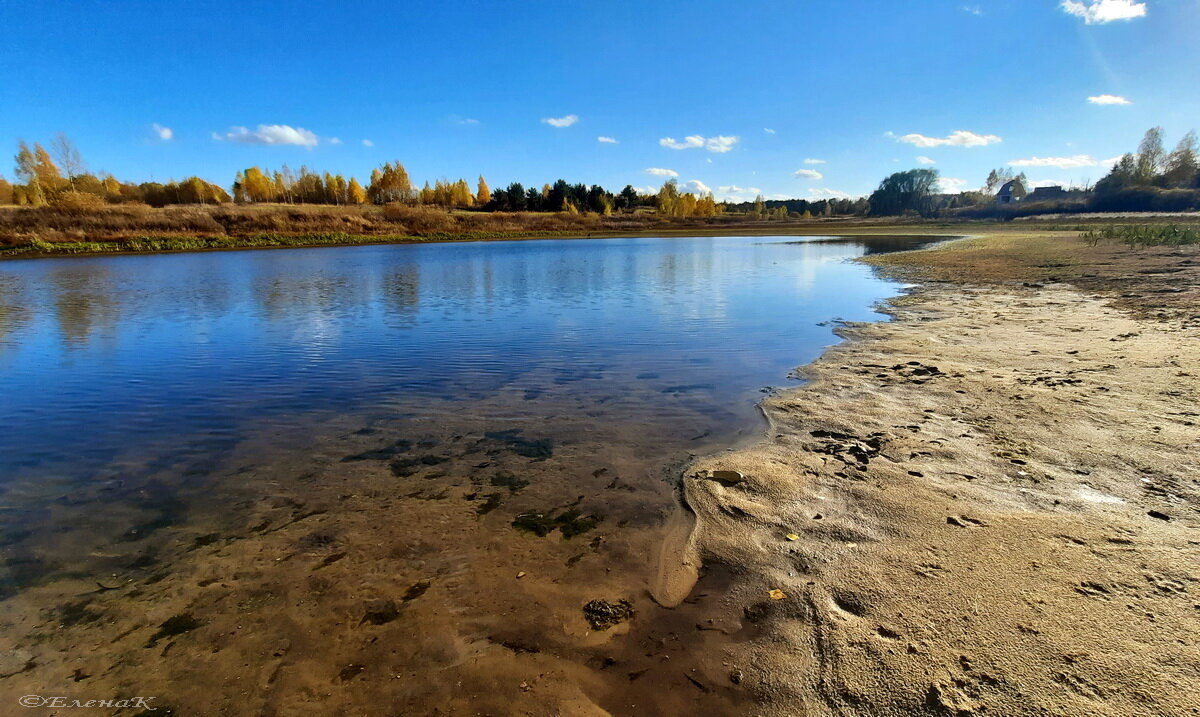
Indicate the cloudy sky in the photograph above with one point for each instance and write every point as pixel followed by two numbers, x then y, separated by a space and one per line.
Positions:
pixel 799 99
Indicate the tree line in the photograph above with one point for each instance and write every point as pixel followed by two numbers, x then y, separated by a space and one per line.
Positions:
pixel 1149 179
pixel 59 177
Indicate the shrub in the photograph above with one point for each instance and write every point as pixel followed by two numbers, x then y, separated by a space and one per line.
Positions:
pixel 72 200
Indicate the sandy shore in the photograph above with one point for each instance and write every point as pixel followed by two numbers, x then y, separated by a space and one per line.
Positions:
pixel 985 506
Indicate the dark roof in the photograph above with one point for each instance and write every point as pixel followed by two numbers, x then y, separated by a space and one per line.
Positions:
pixel 1007 188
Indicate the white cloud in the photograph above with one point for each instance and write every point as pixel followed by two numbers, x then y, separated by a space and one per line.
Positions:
pixel 735 189
pixel 646 190
pixel 466 121
pixel 957 138
pixel 922 159
pixel 687 143
pixel 950 185
pixel 272 134
pixel 810 160
pixel 607 140
pixel 695 186
pixel 565 121
pixel 660 172
pixel 823 193
pixel 807 174
pixel 1078 160
pixel 368 143
pixel 1108 100
pixel 768 130
pixel 164 134
pixel 720 143
pixel 1098 12
pixel 972 9
pixel 335 140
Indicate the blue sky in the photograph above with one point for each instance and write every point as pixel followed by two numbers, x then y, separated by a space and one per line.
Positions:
pixel 739 96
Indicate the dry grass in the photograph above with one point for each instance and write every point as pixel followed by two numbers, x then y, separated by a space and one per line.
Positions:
pixel 1156 281
pixel 19 226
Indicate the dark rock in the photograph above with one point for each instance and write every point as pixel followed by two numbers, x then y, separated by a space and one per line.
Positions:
pixel 380 612
pixel 602 614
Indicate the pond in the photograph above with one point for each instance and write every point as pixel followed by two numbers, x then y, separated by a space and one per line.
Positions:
pixel 394 432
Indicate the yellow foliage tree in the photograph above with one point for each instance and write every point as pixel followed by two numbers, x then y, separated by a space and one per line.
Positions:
pixel 483 194
pixel 460 194
pixel 356 194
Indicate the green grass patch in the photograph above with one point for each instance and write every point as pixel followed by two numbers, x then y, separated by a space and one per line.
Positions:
pixel 1135 235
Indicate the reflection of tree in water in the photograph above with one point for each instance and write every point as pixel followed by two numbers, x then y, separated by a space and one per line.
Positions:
pixel 83 302
pixel 402 292
pixel 885 244
pixel 283 296
pixel 14 307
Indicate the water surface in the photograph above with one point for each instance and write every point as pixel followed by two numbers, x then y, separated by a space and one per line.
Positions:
pixel 203 434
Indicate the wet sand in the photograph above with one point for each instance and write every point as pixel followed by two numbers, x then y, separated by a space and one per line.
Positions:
pixel 986 506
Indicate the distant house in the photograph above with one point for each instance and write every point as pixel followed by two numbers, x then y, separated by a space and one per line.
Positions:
pixel 1041 194
pixel 1012 191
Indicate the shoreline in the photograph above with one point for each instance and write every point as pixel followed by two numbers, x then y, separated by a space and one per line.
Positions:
pixel 173 244
pixel 996 426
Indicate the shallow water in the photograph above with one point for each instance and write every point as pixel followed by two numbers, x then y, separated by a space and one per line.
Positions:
pixel 162 414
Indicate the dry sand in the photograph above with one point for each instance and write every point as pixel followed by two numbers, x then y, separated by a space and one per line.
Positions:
pixel 986 506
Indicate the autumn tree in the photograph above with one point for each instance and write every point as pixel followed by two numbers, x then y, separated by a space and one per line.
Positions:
pixel 460 194
pixel 390 183
pixel 68 156
pixel 253 185
pixel 6 191
pixel 39 174
pixel 355 193
pixel 483 195
pixel 668 198
pixel 687 205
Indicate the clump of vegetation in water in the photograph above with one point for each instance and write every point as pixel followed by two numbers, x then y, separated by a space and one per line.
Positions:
pixel 416 590
pixel 602 614
pixel 487 506
pixel 536 448
pixel 172 626
pixel 510 481
pixel 570 523
pixel 1135 235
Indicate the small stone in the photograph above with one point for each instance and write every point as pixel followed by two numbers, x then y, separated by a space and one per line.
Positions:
pixel 520 575
pixel 15 661
pixel 736 677
pixel 793 536
pixel 728 477
pixel 777 594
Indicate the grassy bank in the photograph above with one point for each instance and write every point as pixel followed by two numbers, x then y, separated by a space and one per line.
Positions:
pixel 58 231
